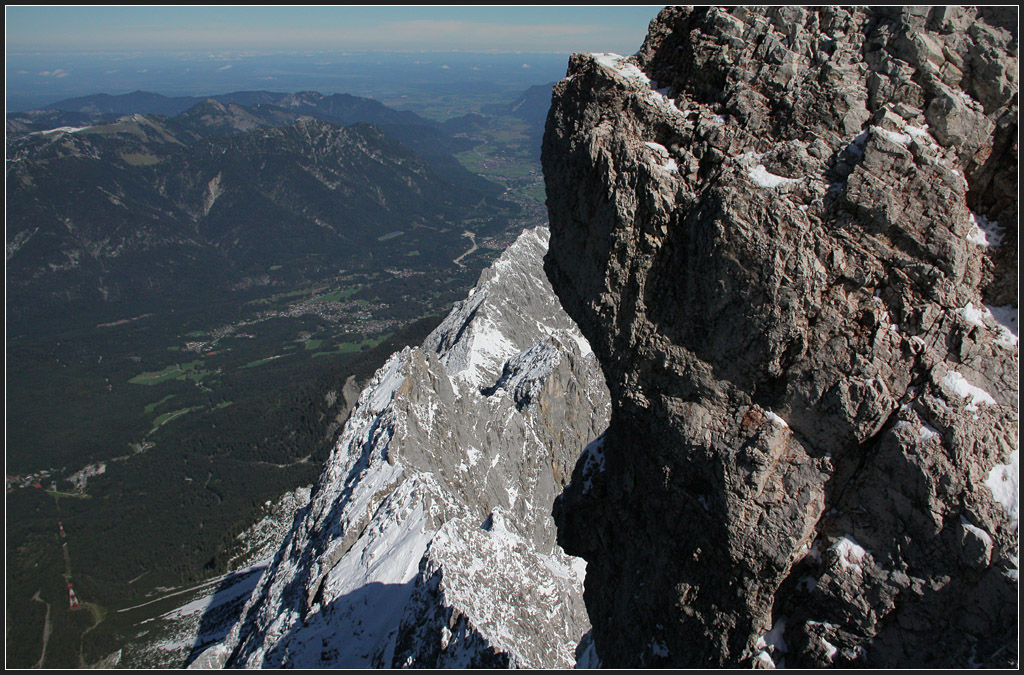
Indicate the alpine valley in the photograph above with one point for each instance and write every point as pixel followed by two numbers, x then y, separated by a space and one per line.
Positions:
pixel 745 394
pixel 196 290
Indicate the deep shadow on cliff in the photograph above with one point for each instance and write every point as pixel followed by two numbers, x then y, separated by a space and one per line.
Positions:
pixel 224 609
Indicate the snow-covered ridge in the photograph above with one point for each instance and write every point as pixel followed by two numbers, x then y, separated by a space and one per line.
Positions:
pixel 434 508
pixel 621 67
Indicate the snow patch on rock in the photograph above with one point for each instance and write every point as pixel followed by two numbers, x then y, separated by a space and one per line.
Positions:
pixel 985 232
pixel 1003 481
pixel 959 385
pixel 1007 319
pixel 851 554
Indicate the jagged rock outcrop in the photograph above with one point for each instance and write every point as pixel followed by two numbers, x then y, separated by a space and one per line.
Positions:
pixel 428 540
pixel 778 229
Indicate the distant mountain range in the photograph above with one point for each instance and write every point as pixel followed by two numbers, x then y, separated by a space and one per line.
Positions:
pixel 340 108
pixel 110 200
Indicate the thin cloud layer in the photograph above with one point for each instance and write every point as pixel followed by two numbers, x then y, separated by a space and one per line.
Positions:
pixel 333 30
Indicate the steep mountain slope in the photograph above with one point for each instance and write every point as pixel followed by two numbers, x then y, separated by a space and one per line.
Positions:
pixel 428 540
pixel 338 188
pixel 531 107
pixel 215 118
pixel 763 224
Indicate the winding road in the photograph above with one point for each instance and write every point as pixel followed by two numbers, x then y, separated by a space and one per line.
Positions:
pixel 472 239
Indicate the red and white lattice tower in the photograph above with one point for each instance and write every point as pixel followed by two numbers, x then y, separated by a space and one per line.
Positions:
pixel 73 599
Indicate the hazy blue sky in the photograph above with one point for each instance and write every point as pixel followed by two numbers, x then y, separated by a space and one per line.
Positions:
pixel 386 28
pixel 55 53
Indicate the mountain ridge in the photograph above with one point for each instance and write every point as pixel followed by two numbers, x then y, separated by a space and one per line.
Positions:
pixel 146 102
pixel 435 503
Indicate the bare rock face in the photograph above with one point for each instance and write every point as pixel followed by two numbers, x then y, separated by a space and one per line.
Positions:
pixel 790 237
pixel 428 540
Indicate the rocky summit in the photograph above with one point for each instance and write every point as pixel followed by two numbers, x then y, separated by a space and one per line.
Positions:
pixel 428 540
pixel 790 236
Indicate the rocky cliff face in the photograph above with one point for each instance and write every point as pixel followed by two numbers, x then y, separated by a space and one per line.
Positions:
pixel 429 540
pixel 790 237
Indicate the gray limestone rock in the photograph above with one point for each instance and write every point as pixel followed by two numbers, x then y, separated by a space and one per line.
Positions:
pixel 428 540
pixel 790 236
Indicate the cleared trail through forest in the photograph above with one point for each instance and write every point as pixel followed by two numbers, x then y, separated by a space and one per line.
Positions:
pixel 46 630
